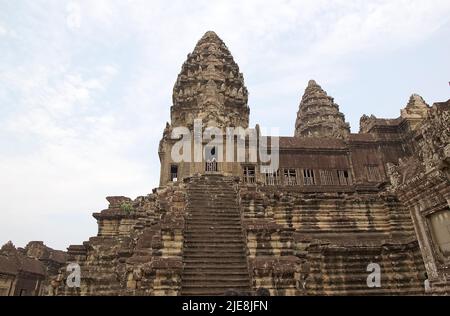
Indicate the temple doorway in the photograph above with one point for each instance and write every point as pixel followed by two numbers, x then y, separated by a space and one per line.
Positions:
pixel 211 159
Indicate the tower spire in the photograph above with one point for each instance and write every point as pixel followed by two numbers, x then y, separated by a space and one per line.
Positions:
pixel 210 87
pixel 416 107
pixel 319 116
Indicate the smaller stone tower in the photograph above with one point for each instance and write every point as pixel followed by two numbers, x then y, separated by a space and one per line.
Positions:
pixel 415 111
pixel 319 116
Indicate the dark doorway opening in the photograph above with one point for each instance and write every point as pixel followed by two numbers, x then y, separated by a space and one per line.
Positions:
pixel 173 173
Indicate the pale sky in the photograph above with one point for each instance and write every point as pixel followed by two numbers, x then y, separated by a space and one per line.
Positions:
pixel 85 87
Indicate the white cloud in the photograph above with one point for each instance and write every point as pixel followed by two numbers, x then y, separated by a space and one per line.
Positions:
pixel 2 31
pixel 387 25
pixel 73 19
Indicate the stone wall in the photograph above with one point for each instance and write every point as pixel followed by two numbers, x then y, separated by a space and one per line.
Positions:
pixel 422 183
pixel 138 250
pixel 309 244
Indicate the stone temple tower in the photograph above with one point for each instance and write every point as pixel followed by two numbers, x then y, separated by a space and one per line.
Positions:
pixel 210 87
pixel 319 116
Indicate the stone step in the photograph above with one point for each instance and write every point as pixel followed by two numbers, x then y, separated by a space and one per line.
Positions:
pixel 212 194
pixel 195 220
pixel 229 208
pixel 214 271
pixel 212 260
pixel 208 195
pixel 208 217
pixel 213 290
pixel 213 245
pixel 209 192
pixel 226 284
pixel 210 226
pixel 214 207
pixel 199 253
pixel 211 206
pixel 211 216
pixel 215 279
pixel 220 191
pixel 204 227
pixel 213 203
pixel 213 187
pixel 192 262
pixel 222 215
pixel 212 255
pixel 206 231
pixel 213 222
pixel 213 237
pixel 205 249
pixel 214 211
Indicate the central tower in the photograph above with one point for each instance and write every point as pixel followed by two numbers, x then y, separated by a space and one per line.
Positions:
pixel 210 87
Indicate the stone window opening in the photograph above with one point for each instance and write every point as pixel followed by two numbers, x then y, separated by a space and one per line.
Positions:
pixel 272 178
pixel 290 176
pixel 343 177
pixel 249 174
pixel 326 177
pixel 373 173
pixel 439 223
pixel 308 177
pixel 174 173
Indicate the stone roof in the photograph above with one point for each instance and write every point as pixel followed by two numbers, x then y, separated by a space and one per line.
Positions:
pixel 8 266
pixel 310 143
pixel 363 137
pixel 38 250
pixel 367 123
pixel 14 261
pixel 31 265
pixel 14 264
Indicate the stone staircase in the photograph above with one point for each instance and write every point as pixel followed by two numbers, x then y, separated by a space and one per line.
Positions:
pixel 214 254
